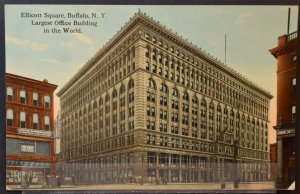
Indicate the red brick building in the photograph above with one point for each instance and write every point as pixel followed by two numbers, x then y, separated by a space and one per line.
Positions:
pixel 29 128
pixel 273 160
pixel 285 53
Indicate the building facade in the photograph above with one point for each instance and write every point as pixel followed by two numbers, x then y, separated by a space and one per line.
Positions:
pixel 151 105
pixel 57 128
pixel 273 160
pixel 285 53
pixel 29 128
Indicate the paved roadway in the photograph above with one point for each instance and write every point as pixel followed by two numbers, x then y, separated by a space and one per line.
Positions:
pixel 177 187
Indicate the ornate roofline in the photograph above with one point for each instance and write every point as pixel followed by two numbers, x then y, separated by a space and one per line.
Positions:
pixel 146 20
pixel 30 80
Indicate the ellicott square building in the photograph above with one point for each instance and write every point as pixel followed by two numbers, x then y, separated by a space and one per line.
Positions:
pixel 151 105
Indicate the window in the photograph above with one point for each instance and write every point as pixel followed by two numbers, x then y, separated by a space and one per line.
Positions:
pixel 10 117
pixel 151 157
pixel 294 113
pixel 131 97
pixel 35 121
pixel 122 89
pixel 47 123
pixel 150 97
pixel 130 84
pixel 35 99
pixel 47 101
pixel 23 120
pixel 185 96
pixel 175 92
pixel 293 84
pixel 152 84
pixel 23 96
pixel 294 59
pixel 114 94
pixel 10 94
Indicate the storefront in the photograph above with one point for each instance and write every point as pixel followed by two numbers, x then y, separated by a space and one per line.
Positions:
pixel 17 170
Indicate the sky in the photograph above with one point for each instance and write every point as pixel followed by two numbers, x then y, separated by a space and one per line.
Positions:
pixel 250 32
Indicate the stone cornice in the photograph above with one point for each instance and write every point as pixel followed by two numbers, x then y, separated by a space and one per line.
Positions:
pixel 145 20
pixel 289 46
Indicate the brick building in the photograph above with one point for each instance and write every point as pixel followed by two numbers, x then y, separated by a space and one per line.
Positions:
pixel 151 104
pixel 285 53
pixel 29 128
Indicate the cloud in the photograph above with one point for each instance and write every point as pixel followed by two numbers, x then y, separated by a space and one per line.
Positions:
pixel 50 60
pixel 83 38
pixel 214 44
pixel 26 43
pixel 68 44
pixel 241 18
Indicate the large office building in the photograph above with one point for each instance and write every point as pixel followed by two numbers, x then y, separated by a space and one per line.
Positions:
pixel 285 53
pixel 29 129
pixel 150 105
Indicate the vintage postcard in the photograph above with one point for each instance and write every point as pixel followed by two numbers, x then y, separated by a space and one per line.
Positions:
pixel 136 97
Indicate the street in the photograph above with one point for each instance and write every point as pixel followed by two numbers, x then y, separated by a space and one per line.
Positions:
pixel 170 186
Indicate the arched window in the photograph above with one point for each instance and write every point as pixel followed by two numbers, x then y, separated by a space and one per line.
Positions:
pixel 35 121
pixel 22 119
pixel 219 109
pixel 203 102
pixel 101 101
pixel 47 101
pixel 248 119
pixel 232 113
pixel 10 117
pixel 130 84
pixel 211 105
pixel 10 93
pixel 225 110
pixel 23 96
pixel 175 92
pixel 114 93
pixel 47 123
pixel 35 99
pixel 238 115
pixel 122 89
pixel 152 84
pixel 95 105
pixel 195 100
pixel 185 96
pixel 107 98
pixel 164 88
pixel 243 117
